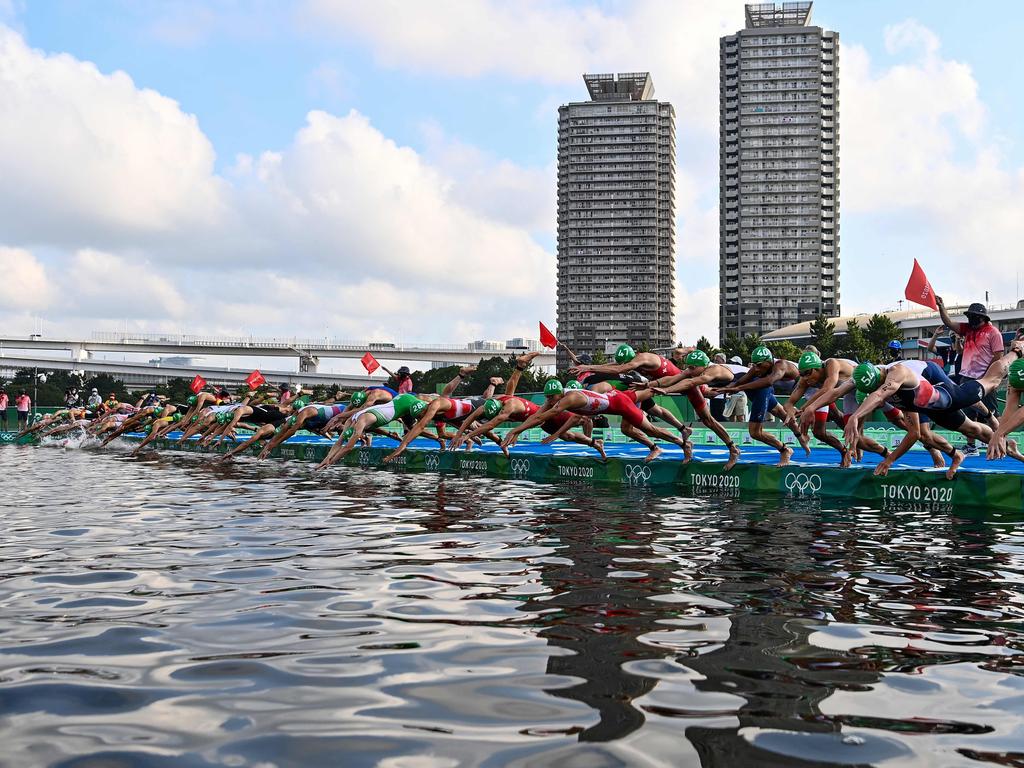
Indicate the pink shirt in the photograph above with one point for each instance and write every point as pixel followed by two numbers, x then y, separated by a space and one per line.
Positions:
pixel 3 402
pixel 405 386
pixel 981 347
pixel 23 402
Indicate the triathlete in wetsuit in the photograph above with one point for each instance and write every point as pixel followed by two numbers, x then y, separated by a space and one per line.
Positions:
pixel 1013 416
pixel 632 368
pixel 698 375
pixel 505 408
pixel 402 408
pixel 759 384
pixel 930 393
pixel 582 402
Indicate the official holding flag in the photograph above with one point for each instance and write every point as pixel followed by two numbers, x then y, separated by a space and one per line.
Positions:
pixel 983 344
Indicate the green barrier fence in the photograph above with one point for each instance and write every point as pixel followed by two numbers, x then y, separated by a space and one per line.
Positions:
pixel 1004 491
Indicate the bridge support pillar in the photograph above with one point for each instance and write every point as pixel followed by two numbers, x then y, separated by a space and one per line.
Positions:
pixel 308 363
pixel 79 352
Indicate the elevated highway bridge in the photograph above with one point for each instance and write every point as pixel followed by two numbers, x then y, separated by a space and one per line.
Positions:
pixel 308 351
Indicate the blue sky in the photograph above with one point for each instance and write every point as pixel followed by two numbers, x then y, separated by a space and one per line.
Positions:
pixel 470 115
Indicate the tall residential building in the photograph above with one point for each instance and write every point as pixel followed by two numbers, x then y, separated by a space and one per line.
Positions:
pixel 616 216
pixel 779 170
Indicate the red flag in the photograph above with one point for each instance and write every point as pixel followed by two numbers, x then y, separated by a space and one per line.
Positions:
pixel 547 338
pixel 254 379
pixel 919 290
pixel 197 384
pixel 369 363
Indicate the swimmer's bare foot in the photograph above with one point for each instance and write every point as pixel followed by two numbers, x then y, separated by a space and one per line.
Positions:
pixel 504 450
pixel 938 460
pixel 599 447
pixel 524 360
pixel 847 460
pixel 958 459
pixel 786 455
pixel 687 447
pixel 1013 450
pixel 805 443
pixel 655 453
pixel 734 456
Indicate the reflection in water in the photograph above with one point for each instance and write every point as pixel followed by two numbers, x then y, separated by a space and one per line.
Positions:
pixel 174 611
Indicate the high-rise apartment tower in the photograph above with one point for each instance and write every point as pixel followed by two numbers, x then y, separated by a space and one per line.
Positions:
pixel 779 170
pixel 616 216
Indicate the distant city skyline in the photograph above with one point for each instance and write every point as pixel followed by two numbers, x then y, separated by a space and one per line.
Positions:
pixel 376 171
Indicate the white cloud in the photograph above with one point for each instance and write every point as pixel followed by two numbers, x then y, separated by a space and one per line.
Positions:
pixel 89 156
pixel 23 281
pixel 920 159
pixel 99 284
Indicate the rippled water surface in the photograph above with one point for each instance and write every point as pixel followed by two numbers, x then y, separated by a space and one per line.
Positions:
pixel 168 611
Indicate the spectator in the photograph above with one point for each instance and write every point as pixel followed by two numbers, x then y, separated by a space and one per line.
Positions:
pixel 404 379
pixel 23 404
pixel 983 343
pixel 3 410
pixel 953 355
pixel 718 401
pixel 736 405
pixel 284 393
pixel 94 398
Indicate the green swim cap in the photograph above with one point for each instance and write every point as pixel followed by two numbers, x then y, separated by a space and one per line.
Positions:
pixel 347 434
pixel 697 359
pixel 867 377
pixel 222 417
pixel 417 408
pixel 192 400
pixel 573 384
pixel 292 420
pixel 809 362
pixel 553 387
pixel 148 430
pixel 624 353
pixel 175 418
pixel 761 355
pixel 300 403
pixel 1017 374
pixel 357 399
pixel 492 408
pixel 861 396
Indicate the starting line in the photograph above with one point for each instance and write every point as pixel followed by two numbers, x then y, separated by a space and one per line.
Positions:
pixel 979 483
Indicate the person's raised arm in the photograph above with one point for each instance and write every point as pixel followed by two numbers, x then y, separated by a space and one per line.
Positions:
pixel 605 368
pixel 944 314
pixel 934 339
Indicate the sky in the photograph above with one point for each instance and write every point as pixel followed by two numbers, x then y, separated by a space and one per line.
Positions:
pixel 386 170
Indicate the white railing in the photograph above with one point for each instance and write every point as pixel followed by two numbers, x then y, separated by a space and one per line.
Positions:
pixel 256 342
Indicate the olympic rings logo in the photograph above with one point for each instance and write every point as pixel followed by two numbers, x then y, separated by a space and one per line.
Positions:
pixel 431 462
pixel 637 474
pixel 519 466
pixel 799 483
pixel 364 458
pixel 310 453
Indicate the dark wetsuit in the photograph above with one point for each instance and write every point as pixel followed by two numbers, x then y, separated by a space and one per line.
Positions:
pixel 265 414
pixel 939 398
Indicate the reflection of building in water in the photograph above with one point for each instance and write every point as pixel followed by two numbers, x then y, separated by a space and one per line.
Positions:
pixel 600 617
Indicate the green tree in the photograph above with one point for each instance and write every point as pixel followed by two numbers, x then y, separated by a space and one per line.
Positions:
pixel 823 336
pixel 599 357
pixel 854 345
pixel 879 332
pixel 706 346
pixel 732 344
pixel 786 350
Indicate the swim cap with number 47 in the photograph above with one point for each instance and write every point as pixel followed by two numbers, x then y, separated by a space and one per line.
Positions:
pixel 624 353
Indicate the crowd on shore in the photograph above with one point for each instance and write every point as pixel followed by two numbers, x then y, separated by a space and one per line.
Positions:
pixel 912 394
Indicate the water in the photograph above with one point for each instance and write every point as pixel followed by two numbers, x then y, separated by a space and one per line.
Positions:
pixel 168 611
